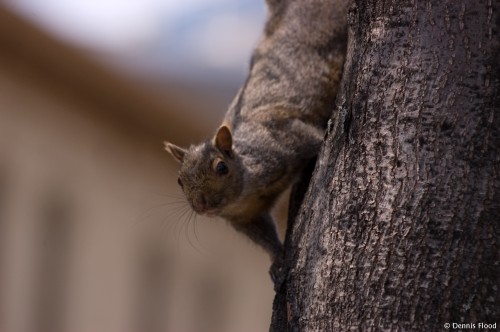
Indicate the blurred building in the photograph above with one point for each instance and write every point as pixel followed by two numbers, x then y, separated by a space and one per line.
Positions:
pixel 94 233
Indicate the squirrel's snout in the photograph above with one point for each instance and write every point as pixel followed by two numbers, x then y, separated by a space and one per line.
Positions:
pixel 200 204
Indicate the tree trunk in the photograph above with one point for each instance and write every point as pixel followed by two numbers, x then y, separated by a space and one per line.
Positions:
pixel 399 227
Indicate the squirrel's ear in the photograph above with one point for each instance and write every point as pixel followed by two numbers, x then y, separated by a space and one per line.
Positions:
pixel 176 152
pixel 224 140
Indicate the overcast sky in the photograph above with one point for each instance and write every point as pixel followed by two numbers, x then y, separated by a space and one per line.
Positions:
pixel 159 34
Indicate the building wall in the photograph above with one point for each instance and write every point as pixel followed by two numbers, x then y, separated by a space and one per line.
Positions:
pixel 94 234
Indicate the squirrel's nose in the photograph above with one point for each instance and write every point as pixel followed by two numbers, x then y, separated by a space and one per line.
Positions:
pixel 200 204
pixel 203 201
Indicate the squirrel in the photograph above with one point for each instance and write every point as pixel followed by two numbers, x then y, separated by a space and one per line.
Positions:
pixel 274 125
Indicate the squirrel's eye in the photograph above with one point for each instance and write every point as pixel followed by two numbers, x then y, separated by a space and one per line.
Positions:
pixel 180 183
pixel 221 168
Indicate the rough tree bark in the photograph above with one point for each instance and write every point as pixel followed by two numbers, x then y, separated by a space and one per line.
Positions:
pixel 399 227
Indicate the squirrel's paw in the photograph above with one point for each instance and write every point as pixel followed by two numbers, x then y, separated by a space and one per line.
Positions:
pixel 277 273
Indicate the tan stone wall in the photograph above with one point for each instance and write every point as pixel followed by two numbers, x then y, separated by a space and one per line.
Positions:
pixel 80 250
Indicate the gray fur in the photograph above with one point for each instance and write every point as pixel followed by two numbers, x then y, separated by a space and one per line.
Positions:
pixel 277 121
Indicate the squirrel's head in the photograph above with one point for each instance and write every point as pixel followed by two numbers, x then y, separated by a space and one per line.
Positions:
pixel 211 175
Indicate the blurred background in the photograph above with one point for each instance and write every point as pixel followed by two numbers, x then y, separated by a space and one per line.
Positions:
pixel 94 233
